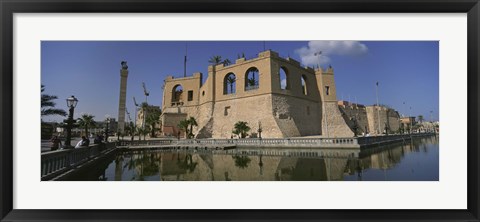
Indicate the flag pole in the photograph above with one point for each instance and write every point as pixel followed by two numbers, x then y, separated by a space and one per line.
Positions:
pixel 185 61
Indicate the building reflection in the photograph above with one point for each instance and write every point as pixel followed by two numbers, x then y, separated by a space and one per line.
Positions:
pixel 255 165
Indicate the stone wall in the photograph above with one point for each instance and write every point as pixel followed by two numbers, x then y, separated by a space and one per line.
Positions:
pixel 335 124
pixel 291 112
pixel 170 122
pixel 296 117
pixel 354 114
pixel 251 110
pixel 386 116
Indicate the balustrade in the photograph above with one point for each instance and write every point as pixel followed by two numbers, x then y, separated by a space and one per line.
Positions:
pixel 247 142
pixel 60 160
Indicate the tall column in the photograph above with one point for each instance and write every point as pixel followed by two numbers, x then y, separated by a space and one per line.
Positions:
pixel 123 96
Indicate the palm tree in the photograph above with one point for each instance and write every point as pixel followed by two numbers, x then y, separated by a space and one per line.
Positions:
pixel 129 130
pixel 47 105
pixel 86 121
pixel 144 107
pixel 241 161
pixel 187 163
pixel 230 81
pixel 226 62
pixel 241 128
pixel 133 129
pixel 420 118
pixel 143 131
pixel 184 126
pixel 215 60
pixel 251 81
pixel 192 122
pixel 153 118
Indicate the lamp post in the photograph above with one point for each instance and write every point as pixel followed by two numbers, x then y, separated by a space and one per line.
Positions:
pixel 386 129
pixel 431 121
pixel 259 129
pixel 410 120
pixel 107 124
pixel 71 104
pixel 355 126
pixel 136 109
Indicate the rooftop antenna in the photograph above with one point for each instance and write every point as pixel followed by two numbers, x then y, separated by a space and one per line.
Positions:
pixel 185 61
pixel 318 54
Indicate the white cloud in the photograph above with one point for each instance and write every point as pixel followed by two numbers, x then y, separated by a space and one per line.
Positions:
pixel 328 48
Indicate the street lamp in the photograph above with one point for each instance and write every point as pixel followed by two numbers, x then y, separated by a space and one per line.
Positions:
pixel 410 120
pixel 71 104
pixel 355 126
pixel 259 129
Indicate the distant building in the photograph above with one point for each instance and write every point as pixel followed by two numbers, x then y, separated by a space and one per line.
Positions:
pixel 147 112
pixel 407 122
pixel 370 119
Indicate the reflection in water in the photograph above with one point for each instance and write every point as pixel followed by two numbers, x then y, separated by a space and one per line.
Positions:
pixel 415 160
pixel 241 161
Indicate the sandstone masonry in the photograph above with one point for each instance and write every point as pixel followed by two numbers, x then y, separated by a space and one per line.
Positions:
pixel 303 104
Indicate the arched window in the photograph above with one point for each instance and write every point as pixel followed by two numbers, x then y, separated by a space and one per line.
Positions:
pixel 251 79
pixel 177 93
pixel 284 83
pixel 304 85
pixel 229 84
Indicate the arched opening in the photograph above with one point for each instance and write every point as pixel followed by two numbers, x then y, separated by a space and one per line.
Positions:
pixel 304 85
pixel 177 93
pixel 229 84
pixel 284 83
pixel 251 79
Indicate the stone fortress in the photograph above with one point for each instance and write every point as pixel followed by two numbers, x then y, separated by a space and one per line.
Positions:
pixel 303 104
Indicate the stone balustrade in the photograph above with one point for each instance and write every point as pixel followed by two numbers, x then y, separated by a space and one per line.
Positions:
pixel 252 142
pixel 143 142
pixel 56 162
pixel 282 152
pixel 348 142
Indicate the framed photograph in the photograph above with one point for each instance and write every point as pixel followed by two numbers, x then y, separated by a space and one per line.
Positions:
pixel 253 111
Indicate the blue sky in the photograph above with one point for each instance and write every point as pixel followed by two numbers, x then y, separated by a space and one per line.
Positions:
pixel 407 71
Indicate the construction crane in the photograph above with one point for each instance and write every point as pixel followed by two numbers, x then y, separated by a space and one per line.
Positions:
pixel 147 93
pixel 128 115
pixel 136 108
pixel 135 102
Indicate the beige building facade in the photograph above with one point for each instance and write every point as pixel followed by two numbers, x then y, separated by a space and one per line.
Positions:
pixel 374 120
pixel 278 94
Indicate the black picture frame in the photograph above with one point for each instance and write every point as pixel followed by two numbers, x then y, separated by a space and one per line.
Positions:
pixel 9 7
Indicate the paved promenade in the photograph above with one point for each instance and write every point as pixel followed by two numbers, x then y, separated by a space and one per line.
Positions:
pixel 46 143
